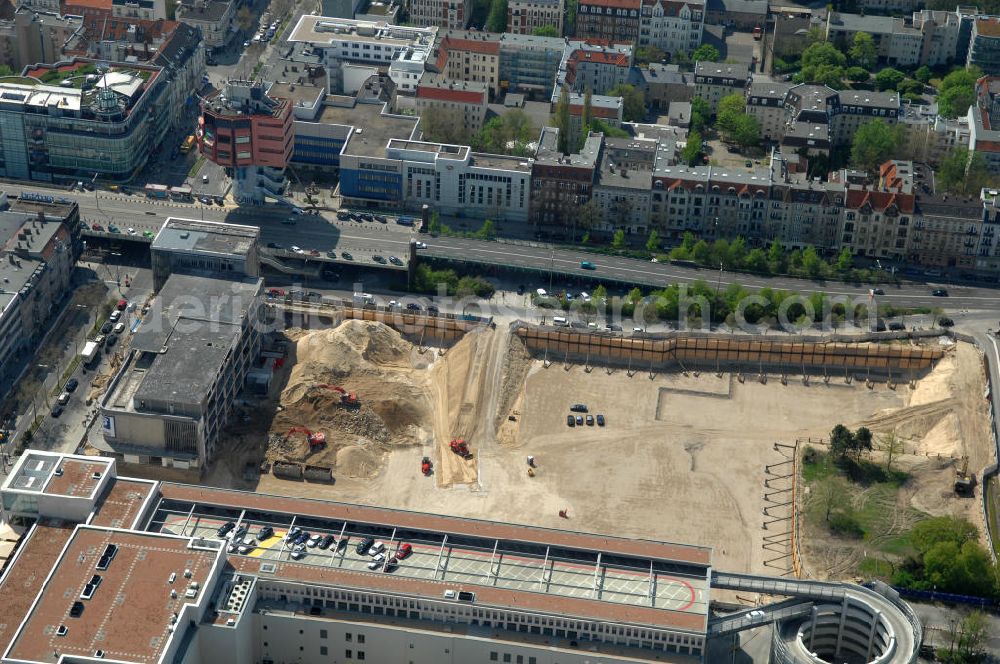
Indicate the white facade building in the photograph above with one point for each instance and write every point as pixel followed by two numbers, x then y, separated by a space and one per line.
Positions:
pixel 672 25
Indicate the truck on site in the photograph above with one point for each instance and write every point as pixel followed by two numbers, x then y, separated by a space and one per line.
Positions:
pixel 91 350
pixel 363 299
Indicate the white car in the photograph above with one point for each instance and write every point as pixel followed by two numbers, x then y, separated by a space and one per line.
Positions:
pixel 247 547
pixel 377 549
pixel 314 540
pixel 421 245
pixel 298 552
pixel 296 249
pixel 131 231
pixel 393 304
pixel 756 613
pixel 375 563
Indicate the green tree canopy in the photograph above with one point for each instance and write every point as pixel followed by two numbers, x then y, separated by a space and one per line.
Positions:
pixel 863 52
pixel 700 113
pixel 823 53
pixel 958 92
pixel 963 172
pixel 734 123
pixel 923 74
pixel 874 143
pixel 634 101
pixel 546 31
pixel 653 241
pixel 618 240
pixel 646 54
pixel 691 153
pixel 705 53
pixel 497 19
pixel 599 126
pixel 888 78
pixel 510 133
pixel 857 74
pixel 560 120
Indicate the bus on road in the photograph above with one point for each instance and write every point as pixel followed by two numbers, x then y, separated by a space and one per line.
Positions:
pixel 157 191
pixel 188 144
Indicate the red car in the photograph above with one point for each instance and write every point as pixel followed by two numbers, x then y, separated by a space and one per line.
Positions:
pixel 97 227
pixel 122 304
pixel 275 292
pixel 404 550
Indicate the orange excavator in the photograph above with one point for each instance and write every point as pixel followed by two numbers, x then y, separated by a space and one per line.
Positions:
pixel 346 398
pixel 316 440
pixel 461 448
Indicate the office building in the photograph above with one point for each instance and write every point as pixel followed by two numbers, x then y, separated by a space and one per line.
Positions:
pixel 204 248
pixel 168 402
pixel 469 56
pixel 404 50
pixel 984 47
pixel 713 81
pixel 449 14
pixel 610 20
pixel 216 19
pixel 73 119
pixel 673 26
pixel 249 131
pixel 39 244
pixel 526 16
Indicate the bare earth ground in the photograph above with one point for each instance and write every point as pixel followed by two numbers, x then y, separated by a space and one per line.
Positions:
pixel 682 458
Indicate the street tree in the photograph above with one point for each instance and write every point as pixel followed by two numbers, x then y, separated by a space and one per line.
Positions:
pixel 546 31
pixel 497 19
pixel 618 240
pixel 653 241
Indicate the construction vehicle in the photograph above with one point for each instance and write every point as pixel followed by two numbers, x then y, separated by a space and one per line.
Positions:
pixel 426 466
pixel 346 398
pixel 461 448
pixel 316 440
pixel 965 484
pixel 531 472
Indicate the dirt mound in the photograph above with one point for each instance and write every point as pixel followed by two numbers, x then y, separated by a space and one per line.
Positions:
pixel 356 461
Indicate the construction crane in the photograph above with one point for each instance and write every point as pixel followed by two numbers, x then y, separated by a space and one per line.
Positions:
pixel 460 447
pixel 316 440
pixel 346 398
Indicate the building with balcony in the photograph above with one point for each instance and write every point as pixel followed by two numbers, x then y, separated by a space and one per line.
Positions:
pixel 469 56
pixel 249 131
pixel 39 244
pixel 713 81
pixel 562 183
pixel 594 67
pixel 168 402
pixel 610 20
pixel 665 84
pixel 526 16
pixel 215 18
pixel 672 25
pixel 984 45
pixel 70 120
pixel 984 138
pixel 461 104
pixel 33 36
pixel 529 64
pixel 449 14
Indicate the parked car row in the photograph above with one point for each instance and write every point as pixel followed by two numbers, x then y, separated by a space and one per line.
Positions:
pixel 578 420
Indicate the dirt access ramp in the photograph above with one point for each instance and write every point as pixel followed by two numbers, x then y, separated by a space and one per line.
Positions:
pixel 464 383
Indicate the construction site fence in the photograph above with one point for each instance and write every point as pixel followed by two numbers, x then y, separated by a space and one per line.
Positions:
pixel 984 603
pixel 790 354
pixel 990 472
pixel 419 325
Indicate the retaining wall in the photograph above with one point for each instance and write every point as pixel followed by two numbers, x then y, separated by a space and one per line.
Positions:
pixel 685 348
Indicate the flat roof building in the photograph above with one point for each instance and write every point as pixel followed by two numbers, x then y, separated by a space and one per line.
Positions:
pixel 189 246
pixel 171 397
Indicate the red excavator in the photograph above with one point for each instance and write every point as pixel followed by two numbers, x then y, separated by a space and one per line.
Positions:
pixel 461 448
pixel 426 466
pixel 346 398
pixel 316 440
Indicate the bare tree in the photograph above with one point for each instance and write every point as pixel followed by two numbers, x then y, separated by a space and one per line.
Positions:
pixel 891 446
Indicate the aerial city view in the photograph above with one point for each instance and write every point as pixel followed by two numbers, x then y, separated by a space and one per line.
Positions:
pixel 517 331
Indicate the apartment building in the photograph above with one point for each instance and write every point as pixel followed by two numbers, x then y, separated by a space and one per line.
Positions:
pixel 713 80
pixel 982 115
pixel 68 132
pixel 743 15
pixel 609 110
pixel 562 183
pixel 149 10
pixel 450 14
pixel 215 18
pixel 664 84
pixel 890 6
pixel 168 402
pixel 33 36
pixel 462 103
pixel 766 102
pixel 672 25
pixel 945 36
pixel 594 67
pixel 469 56
pixel 404 50
pixel 39 244
pixel 984 46
pixel 929 138
pixel 897 43
pixel 610 20
pixel 623 190
pixel 526 16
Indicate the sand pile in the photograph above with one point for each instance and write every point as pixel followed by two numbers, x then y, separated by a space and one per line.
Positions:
pixel 369 359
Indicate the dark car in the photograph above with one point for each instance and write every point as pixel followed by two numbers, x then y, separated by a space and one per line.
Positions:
pixel 274 245
pixel 364 545
pixel 265 533
pixel 570 421
pixel 219 200
pixel 112 340
pixel 380 219
pixel 326 542
pixel 57 410
pixel 241 532
pixel 72 384
pixel 367 217
pixel 944 321
pixel 939 292
pixel 431 309
pixel 106 328
pixel 342 544
pixel 395 260
pixel 302 537
pixel 343 216
pixel 600 420
pixel 578 408
pixel 896 326
pixel 579 420
pixel 878 291
pixel 520 289
pixel 378 259
pixel 225 528
pixel 590 420
pixel 346 255
pixel 413 306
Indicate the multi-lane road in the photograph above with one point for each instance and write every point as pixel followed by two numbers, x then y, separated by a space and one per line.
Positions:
pixel 364 239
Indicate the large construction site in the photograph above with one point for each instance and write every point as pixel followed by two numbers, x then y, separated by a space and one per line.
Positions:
pixel 688 451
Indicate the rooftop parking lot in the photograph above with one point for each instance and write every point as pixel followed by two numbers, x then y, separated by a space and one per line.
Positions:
pixel 460 560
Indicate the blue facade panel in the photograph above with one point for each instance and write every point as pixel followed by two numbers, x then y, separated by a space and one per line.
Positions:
pixel 377 185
